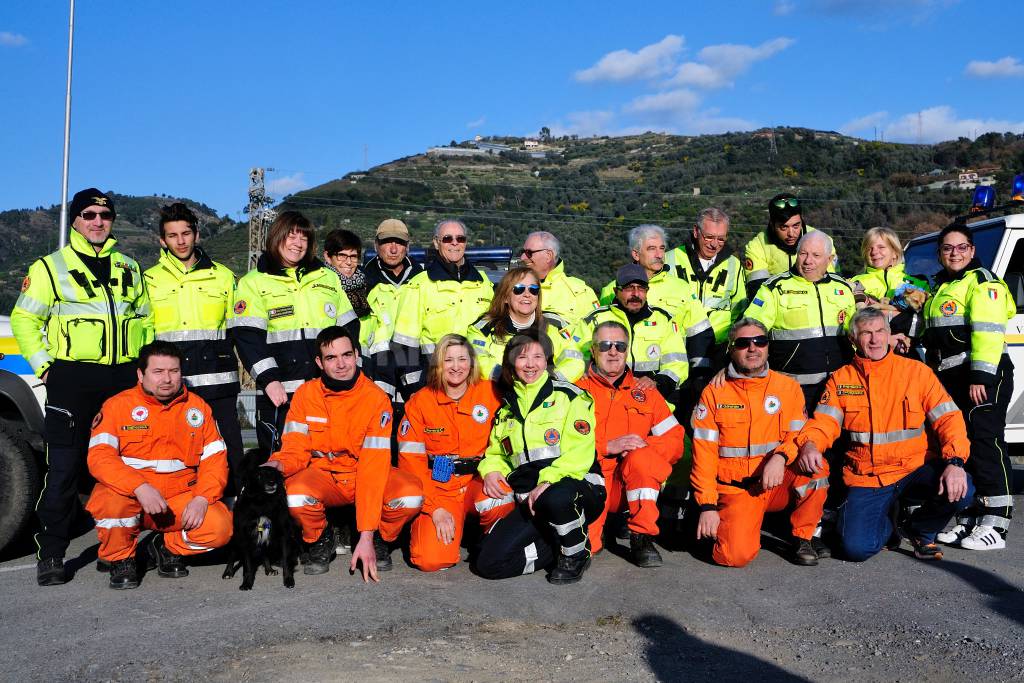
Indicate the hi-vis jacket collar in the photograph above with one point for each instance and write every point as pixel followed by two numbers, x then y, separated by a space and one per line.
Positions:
pixel 83 246
pixel 945 276
pixel 171 261
pixel 267 265
pixel 439 270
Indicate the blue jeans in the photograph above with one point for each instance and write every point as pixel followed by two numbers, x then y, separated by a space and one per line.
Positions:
pixel 866 518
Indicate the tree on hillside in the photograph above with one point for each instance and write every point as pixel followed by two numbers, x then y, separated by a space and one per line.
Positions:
pixel 545 134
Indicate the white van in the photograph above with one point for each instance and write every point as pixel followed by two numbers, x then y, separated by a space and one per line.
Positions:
pixel 999 245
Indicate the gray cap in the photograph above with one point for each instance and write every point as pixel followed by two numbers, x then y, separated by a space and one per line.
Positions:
pixel 630 273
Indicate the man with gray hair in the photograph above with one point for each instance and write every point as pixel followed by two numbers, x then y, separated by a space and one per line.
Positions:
pixel 805 310
pixel 711 268
pixel 566 299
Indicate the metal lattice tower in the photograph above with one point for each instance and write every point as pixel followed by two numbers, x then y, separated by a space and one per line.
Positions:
pixel 260 214
pixel 773 151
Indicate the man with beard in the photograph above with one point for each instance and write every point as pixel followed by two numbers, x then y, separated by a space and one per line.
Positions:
pixel 773 250
pixel 192 299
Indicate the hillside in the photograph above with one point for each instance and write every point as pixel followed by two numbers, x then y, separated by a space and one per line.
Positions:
pixel 591 191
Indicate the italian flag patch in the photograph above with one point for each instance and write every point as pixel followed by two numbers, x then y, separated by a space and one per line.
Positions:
pixel 993 294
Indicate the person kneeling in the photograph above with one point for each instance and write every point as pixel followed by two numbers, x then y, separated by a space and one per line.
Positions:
pixel 542 449
pixel 336 450
pixel 742 463
pixel 159 463
pixel 883 401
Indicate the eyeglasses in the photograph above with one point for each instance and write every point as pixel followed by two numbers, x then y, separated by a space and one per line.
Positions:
pixel 606 346
pixel 791 202
pixel 519 289
pixel 448 239
pixel 91 215
pixel 958 248
pixel 345 257
pixel 710 240
pixel 528 253
pixel 760 341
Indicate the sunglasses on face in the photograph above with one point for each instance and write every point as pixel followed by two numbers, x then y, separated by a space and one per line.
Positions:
pixel 606 346
pixel 760 341
pixel 959 248
pixel 448 239
pixel 91 215
pixel 791 202
pixel 532 289
pixel 528 253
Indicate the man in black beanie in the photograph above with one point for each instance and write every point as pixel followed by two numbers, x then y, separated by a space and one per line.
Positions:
pixel 82 317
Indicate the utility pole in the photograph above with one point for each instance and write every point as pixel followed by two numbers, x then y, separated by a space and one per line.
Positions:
pixel 62 239
pixel 773 151
pixel 260 215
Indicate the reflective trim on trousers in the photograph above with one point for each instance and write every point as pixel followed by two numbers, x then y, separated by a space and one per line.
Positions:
pixel 706 434
pixel 573 549
pixel 755 449
pixel 563 529
pixel 530 552
pixel 821 483
pixel 105 439
pixel 952 361
pixel 301 500
pixel 210 379
pixel 213 448
pixel 594 478
pixel 412 377
pixel 295 427
pixel 879 438
pixel 405 503
pixel 158 466
pixel 415 447
pixel 178 336
pixel 665 425
pixel 633 495
pixel 940 410
pixel 700 362
pixel 486 504
pixel 377 442
pixel 995 501
pixel 190 544
pixel 118 522
pixel 996 521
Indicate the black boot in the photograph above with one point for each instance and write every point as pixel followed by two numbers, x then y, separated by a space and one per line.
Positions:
pixel 642 551
pixel 50 572
pixel 383 552
pixel 320 552
pixel 569 568
pixel 804 553
pixel 124 574
pixel 166 563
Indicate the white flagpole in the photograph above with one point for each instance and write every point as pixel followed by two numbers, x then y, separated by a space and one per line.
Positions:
pixel 63 237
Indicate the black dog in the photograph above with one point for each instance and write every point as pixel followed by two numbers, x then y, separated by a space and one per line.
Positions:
pixel 263 529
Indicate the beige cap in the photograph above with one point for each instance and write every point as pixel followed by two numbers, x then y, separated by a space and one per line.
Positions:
pixel 392 228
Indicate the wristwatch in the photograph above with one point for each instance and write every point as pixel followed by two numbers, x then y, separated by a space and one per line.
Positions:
pixel 959 462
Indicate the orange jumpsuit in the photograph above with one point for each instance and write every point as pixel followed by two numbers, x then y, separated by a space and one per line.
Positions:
pixel 175 448
pixel 622 409
pixel 336 450
pixel 735 428
pixel 435 424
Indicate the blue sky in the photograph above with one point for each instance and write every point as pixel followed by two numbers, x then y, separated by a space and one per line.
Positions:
pixel 183 98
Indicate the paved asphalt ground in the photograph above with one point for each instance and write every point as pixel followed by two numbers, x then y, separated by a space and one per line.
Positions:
pixel 892 618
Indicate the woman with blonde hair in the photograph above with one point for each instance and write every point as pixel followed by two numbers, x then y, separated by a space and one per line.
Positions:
pixel 515 309
pixel 440 441
pixel 884 270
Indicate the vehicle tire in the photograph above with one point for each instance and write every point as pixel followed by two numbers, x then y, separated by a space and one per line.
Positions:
pixel 19 485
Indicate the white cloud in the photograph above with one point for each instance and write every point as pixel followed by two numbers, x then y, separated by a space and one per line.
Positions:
pixel 288 184
pixel 584 123
pixel 864 123
pixel 477 123
pixel 651 61
pixel 1007 67
pixel 941 123
pixel 783 7
pixel 8 39
pixel 719 65
pixel 672 101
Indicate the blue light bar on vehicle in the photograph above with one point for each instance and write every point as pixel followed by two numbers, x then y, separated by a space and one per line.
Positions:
pixel 1017 193
pixel 984 199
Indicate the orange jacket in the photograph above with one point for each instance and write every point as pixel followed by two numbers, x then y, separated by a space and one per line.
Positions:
pixel 138 440
pixel 737 426
pixel 435 424
pixel 883 405
pixel 621 409
pixel 343 432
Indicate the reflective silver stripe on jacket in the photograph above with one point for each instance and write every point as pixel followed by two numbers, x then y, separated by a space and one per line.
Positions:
pixel 314 418
pixel 676 358
pixel 415 447
pixel 486 504
pixel 698 327
pixel 210 379
pixel 804 333
pixel 292 335
pixel 947 321
pixel 213 448
pixel 880 438
pixel 940 410
pixel 536 454
pixel 291 385
pixel 346 317
pixel 178 336
pixel 31 305
pixel 251 321
pixel 835 413
pixel 706 434
pixel 753 450
pixel 259 367
pixel 105 439
pixel 295 427
pixel 665 425
pixel 988 327
pixel 758 275
pixel 796 425
pixel 377 442
pixel 633 495
pixel 952 361
pixel 982 366
pixel 158 466
pixel 405 340
pixel 646 366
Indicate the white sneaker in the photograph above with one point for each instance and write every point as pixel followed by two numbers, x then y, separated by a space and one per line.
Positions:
pixel 955 534
pixel 983 537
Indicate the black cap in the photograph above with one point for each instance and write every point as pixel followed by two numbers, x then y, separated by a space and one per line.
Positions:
pixel 630 273
pixel 90 197
pixel 790 206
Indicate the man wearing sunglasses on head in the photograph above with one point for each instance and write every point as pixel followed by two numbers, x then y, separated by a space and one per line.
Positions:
pixel 773 250
pixel 743 460
pixel 91 301
pixel 446 298
pixel 638 441
pixel 566 298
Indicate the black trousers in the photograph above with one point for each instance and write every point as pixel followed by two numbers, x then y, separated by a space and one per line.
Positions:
pixel 75 392
pixel 521 543
pixel 989 464
pixel 225 414
pixel 270 424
